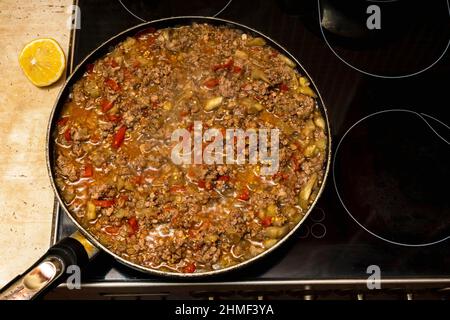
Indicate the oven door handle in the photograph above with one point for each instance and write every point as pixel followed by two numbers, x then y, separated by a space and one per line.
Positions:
pixel 51 269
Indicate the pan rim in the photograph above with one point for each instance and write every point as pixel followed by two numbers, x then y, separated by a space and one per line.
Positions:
pixel 113 41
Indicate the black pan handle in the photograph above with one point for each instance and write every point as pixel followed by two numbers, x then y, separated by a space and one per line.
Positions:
pixel 50 269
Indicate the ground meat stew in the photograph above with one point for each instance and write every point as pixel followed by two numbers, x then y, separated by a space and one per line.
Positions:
pixel 113 146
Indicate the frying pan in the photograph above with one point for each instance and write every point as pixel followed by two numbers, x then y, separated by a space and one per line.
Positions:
pixel 78 249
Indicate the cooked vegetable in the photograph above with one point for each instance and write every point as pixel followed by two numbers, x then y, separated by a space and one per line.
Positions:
pixel 286 60
pixel 104 203
pixel 309 150
pixel 167 106
pixel 268 243
pixel 308 129
pixel 267 221
pixel 272 210
pixel 241 54
pixel 321 143
pixel 88 170
pixel 319 122
pixel 106 105
pixel 92 89
pixel 276 232
pixel 256 42
pixel 303 81
pixel 189 268
pixel 213 103
pixel 244 195
pixel 112 84
pixel 63 121
pixel 211 83
pixel 68 134
pixel 91 214
pixel 134 226
pixel 303 197
pixel 259 74
pixel 251 105
pixel 307 91
pixel 119 137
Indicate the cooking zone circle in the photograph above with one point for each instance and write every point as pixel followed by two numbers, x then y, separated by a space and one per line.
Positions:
pixel 149 10
pixel 386 39
pixel 114 148
pixel 392 188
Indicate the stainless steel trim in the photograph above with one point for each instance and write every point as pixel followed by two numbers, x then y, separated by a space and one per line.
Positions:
pixel 73 34
pixel 55 222
pixel 56 208
pixel 35 280
pixel 308 284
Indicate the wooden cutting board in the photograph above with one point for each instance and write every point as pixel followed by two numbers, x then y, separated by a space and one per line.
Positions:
pixel 26 197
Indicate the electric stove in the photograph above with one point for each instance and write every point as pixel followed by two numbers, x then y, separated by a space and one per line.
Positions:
pixel 383 71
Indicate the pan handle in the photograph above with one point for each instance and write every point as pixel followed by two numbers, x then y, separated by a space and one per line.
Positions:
pixel 50 269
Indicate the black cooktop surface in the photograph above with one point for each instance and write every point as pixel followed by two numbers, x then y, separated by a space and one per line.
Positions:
pixel 383 71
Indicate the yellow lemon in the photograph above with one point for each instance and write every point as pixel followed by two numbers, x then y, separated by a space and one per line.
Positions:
pixel 42 61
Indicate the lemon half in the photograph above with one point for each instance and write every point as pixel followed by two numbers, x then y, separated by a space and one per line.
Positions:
pixel 42 61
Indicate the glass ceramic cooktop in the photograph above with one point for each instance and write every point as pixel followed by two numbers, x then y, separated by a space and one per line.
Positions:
pixel 383 71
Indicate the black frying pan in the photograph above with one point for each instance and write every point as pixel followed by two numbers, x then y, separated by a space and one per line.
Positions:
pixel 80 247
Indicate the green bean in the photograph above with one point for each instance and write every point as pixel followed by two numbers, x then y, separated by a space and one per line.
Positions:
pixel 318 121
pixel 255 250
pixel 321 143
pixel 251 105
pixel 271 210
pixel 258 74
pixel 167 106
pixel 305 193
pixel 289 211
pixel 120 213
pixel 310 151
pixel 276 232
pixel 256 42
pixel 268 243
pixel 91 213
pixel 307 91
pixel 240 54
pixel 308 129
pixel 287 61
pixel 213 103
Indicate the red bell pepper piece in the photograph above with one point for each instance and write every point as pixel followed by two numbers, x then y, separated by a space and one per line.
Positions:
pixel 201 184
pixel 133 223
pixel 119 137
pixel 237 69
pixel 106 105
pixel 189 268
pixel 244 195
pixel 88 171
pixel 104 203
pixel 113 118
pixel 284 87
pixel 266 222
pixel 224 178
pixel 63 121
pixel 227 65
pixel 211 83
pixel 112 84
pixel 68 135
pixel 177 189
